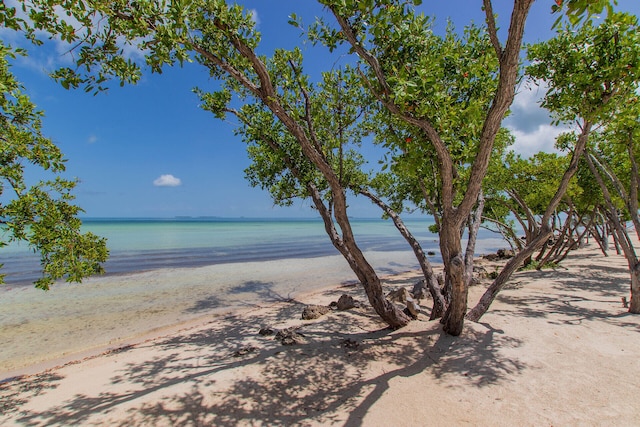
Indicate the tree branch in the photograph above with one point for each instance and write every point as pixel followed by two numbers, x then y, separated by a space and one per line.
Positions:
pixel 491 25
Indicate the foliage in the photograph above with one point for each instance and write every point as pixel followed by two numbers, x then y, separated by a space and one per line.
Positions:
pixel 578 11
pixel 41 215
pixel 590 72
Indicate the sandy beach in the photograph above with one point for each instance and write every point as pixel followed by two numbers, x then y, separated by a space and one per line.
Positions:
pixel 556 348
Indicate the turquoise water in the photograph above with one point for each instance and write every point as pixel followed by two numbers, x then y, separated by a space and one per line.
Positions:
pixel 146 244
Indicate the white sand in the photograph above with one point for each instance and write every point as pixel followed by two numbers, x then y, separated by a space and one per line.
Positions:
pixel 556 348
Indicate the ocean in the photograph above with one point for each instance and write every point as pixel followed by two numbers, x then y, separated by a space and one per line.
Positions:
pixel 143 244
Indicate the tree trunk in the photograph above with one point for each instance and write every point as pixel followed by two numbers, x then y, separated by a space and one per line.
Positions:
pixel 451 249
pixel 474 227
pixel 634 304
pixel 439 303
pixel 370 281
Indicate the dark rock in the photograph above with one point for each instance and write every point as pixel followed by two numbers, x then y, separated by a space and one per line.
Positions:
pixel 431 253
pixel 311 312
pixel 345 302
pixel 244 350
pixel 290 336
pixel 399 295
pixel 266 331
pixel 505 253
pixel 349 343
pixel 419 290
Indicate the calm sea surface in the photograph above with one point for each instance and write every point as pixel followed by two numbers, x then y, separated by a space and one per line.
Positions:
pixel 146 244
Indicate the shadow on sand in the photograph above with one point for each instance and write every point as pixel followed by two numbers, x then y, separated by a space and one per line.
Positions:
pixel 579 295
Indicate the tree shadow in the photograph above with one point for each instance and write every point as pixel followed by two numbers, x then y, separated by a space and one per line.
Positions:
pixel 261 291
pixel 579 294
pixel 272 384
pixel 15 392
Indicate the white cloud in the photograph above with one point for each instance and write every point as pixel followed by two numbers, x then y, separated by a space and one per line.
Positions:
pixel 92 139
pixel 529 123
pixel 167 180
pixel 526 113
pixel 541 139
pixel 254 16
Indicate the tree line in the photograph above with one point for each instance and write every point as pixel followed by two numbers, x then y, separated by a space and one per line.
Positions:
pixel 434 103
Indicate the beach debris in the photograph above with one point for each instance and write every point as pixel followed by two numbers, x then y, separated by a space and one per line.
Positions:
pixel 287 336
pixel 346 302
pixel 402 295
pixel 505 253
pixel 431 253
pixel 413 308
pixel 266 331
pixel 290 336
pixel 501 254
pixel 244 350
pixel 349 343
pixel 480 271
pixel 419 290
pixel 312 311
pixel 399 295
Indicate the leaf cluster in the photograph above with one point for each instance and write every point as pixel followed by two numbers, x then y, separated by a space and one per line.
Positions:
pixel 42 215
pixel 589 72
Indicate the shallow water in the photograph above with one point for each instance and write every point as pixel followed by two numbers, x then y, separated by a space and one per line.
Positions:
pixel 147 244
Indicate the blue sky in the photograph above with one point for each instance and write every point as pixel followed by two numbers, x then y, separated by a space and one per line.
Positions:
pixel 149 151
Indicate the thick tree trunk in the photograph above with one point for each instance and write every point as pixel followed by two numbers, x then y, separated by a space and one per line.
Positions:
pixel 452 257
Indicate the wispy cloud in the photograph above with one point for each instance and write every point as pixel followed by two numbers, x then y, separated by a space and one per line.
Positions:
pixel 167 180
pixel 530 123
pixel 92 139
pixel 254 16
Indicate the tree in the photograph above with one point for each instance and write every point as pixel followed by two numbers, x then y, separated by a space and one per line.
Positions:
pixel 388 35
pixel 588 79
pixel 301 137
pixel 42 215
pixel 613 162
